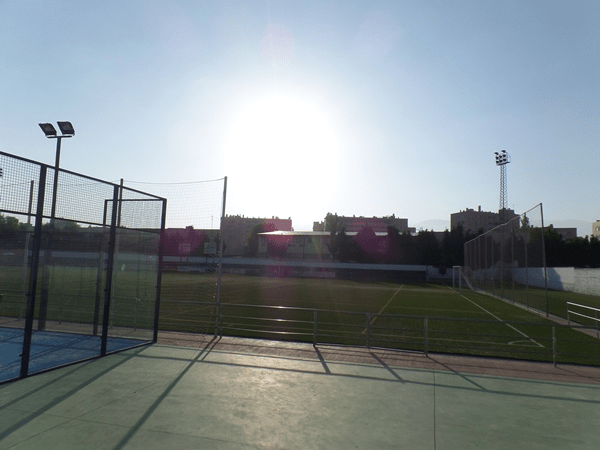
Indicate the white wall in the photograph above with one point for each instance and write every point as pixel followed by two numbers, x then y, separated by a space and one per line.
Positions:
pixel 570 279
pixel 587 281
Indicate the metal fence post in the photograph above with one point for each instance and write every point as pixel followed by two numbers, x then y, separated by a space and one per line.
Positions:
pixel 544 258
pixel 368 330
pixel 554 346
pixel 33 274
pixel 159 268
pixel 99 273
pixel 109 271
pixel 217 319
pixel 425 336
pixel 221 243
pixel 315 318
pixel 220 318
pixel 526 244
pixel 512 258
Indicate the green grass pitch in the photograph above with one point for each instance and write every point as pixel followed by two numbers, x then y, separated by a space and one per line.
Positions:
pixel 458 321
pixel 392 315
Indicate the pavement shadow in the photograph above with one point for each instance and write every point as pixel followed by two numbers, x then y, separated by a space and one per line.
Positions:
pixel 133 430
pixel 81 385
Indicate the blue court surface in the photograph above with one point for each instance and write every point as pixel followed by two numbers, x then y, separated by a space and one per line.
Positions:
pixel 195 392
pixel 51 349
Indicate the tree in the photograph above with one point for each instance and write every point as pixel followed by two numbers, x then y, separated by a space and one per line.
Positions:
pixel 277 246
pixel 333 223
pixel 555 246
pixel 453 247
pixel 10 224
pixel 393 246
pixel 594 252
pixel 337 242
pixel 252 249
pixel 366 248
pixel 428 249
pixel 342 247
pixel 577 252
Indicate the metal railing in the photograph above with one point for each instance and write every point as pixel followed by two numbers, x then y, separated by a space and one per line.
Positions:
pixel 595 320
pixel 537 341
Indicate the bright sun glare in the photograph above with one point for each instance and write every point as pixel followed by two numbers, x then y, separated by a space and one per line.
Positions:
pixel 281 149
pixel 279 133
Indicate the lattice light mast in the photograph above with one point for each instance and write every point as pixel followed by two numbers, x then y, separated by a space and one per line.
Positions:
pixel 502 159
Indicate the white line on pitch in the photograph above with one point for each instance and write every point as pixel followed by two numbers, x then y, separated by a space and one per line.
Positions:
pixel 373 319
pixel 497 318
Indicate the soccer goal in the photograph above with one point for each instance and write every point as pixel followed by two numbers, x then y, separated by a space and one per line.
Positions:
pixel 457 277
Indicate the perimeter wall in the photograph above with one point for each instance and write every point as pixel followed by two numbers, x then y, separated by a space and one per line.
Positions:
pixel 569 279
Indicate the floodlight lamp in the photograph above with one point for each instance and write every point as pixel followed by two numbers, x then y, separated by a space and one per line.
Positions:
pixel 66 128
pixel 502 158
pixel 48 129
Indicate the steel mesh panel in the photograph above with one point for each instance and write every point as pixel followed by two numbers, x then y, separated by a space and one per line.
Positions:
pixel 78 198
pixel 139 210
pixel 16 179
pixel 197 204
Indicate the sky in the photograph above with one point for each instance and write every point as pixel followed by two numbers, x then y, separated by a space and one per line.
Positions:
pixel 368 108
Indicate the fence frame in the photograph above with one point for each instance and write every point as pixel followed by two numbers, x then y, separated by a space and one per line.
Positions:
pixel 36 248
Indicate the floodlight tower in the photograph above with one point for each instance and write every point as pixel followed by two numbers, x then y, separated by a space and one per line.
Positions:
pixel 67 131
pixel 502 159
